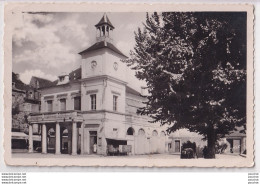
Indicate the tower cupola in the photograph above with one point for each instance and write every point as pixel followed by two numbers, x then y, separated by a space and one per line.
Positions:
pixel 104 29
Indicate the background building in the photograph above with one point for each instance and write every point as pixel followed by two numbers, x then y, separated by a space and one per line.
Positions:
pixel 25 100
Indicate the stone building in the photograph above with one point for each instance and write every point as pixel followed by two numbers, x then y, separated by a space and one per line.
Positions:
pixel 94 107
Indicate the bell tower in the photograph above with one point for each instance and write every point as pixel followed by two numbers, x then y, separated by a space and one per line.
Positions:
pixel 103 57
pixel 104 30
pixel 103 72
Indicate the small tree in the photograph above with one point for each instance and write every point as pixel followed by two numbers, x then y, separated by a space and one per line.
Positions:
pixel 195 68
pixel 18 114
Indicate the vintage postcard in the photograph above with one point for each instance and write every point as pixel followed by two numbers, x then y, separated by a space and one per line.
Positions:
pixel 158 85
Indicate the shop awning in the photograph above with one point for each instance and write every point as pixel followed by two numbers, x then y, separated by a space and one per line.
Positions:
pixel 24 136
pixel 117 139
pixel 19 135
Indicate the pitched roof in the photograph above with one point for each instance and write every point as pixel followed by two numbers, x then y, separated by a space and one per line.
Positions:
pixel 75 74
pixel 237 133
pixel 132 90
pixel 104 20
pixel 42 82
pixel 101 45
pixel 18 84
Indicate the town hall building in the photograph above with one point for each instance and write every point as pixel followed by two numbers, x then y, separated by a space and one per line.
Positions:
pixel 92 110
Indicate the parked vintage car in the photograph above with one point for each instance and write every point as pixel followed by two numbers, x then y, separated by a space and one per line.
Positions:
pixel 188 153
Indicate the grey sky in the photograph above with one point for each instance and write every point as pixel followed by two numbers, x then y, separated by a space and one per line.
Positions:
pixel 46 45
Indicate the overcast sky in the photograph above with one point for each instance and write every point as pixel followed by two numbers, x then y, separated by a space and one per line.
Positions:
pixel 46 45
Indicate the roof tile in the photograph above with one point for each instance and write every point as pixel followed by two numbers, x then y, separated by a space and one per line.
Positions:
pixel 104 20
pixel 101 45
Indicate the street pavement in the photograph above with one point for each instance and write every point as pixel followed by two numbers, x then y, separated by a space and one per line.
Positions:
pixel 164 156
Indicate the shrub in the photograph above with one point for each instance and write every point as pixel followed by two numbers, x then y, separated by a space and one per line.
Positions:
pixel 220 148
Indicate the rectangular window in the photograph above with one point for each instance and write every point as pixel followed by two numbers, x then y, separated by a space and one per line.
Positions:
pixel 63 104
pixel 40 106
pixel 77 103
pixel 93 102
pixel 49 105
pixel 115 102
pixel 30 95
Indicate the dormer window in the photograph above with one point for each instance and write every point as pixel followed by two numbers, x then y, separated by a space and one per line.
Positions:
pixel 30 94
pixel 63 79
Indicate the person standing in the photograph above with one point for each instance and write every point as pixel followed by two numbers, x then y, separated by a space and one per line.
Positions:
pixel 95 148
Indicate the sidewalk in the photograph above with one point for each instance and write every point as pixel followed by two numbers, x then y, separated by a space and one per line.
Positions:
pixel 164 156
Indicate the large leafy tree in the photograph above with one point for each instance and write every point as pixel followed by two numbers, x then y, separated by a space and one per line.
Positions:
pixel 195 68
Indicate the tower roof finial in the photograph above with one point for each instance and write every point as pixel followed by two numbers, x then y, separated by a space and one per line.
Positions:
pixel 105 21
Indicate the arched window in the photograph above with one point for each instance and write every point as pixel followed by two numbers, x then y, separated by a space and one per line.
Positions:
pixel 155 133
pixel 103 31
pixel 141 132
pixel 65 132
pixel 51 132
pixel 107 30
pixel 162 134
pixel 130 131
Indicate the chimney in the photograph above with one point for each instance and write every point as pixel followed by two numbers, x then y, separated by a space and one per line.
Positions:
pixel 144 91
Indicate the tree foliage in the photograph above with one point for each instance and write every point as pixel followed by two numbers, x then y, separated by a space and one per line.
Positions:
pixel 19 116
pixel 194 65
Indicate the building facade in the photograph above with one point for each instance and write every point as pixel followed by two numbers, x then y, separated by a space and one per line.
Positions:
pixel 92 110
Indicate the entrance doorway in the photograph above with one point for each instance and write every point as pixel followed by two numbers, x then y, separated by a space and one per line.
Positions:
pixel 64 141
pixel 93 142
pixel 237 146
pixel 51 141
pixel 234 145
pixel 177 146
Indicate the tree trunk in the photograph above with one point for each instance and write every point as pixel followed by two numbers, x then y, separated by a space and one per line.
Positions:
pixel 211 145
